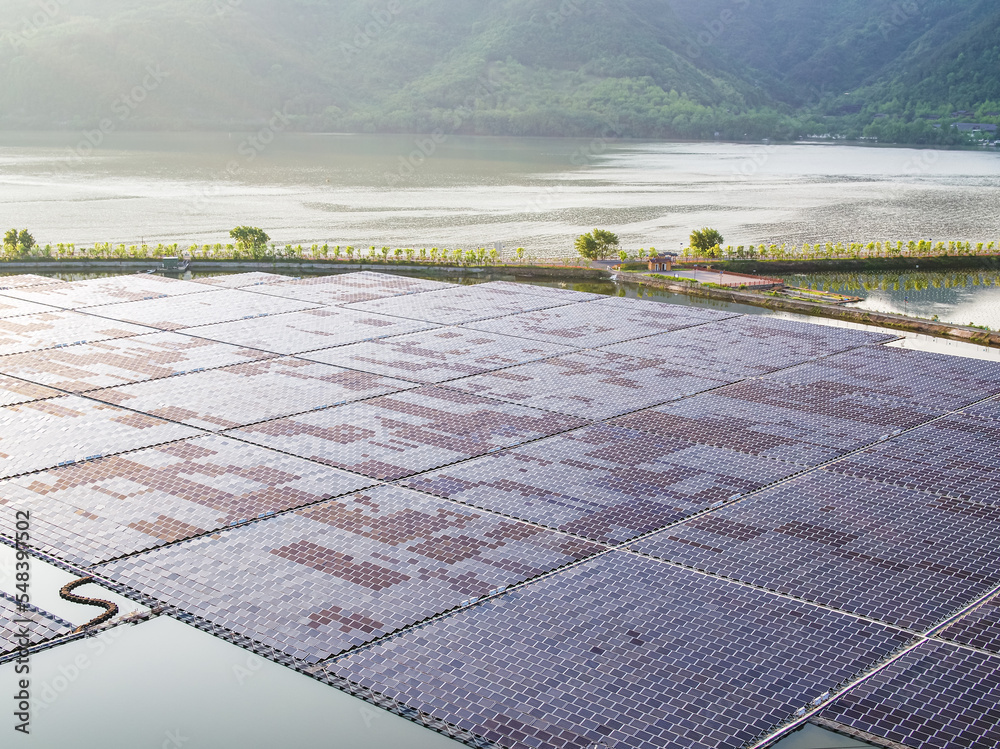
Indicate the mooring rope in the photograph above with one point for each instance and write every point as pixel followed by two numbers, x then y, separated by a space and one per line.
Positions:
pixel 67 594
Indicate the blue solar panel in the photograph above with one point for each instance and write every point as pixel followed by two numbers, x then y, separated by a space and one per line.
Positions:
pixel 936 697
pixel 895 554
pixel 622 650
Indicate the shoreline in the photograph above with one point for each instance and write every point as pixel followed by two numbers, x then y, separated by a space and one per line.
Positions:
pixel 764 299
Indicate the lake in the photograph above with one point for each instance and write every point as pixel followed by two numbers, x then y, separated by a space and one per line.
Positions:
pixel 462 191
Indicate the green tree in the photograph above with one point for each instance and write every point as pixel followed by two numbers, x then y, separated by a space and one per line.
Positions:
pixel 10 239
pixel 705 239
pixel 597 245
pixel 250 239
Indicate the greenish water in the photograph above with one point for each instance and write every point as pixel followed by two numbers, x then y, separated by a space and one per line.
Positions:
pixel 959 297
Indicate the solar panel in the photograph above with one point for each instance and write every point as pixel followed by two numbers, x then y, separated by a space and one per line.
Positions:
pixel 461 304
pixel 242 394
pixel 898 555
pixel 109 290
pixel 24 280
pixel 103 509
pixel 299 332
pixel 605 483
pixel 58 329
pixel 601 323
pixel 405 433
pixel 553 292
pixel 747 346
pixel 592 384
pixel 988 410
pixel 44 434
pixel 980 628
pixel 41 627
pixel 330 577
pixel 804 424
pixel 935 697
pixel 194 310
pixel 243 280
pixel 350 287
pixel 14 391
pixel 123 361
pixel 957 456
pixel 438 355
pixel 930 380
pixel 621 651
pixel 10 307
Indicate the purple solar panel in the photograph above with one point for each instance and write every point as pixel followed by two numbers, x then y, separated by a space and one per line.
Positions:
pixel 333 576
pixel 979 628
pixel 929 380
pixel 898 555
pixel 621 651
pixel 958 456
pixel 592 384
pixel 805 424
pixel 123 361
pixel 936 697
pixel 406 433
pixel 599 323
pixel 747 346
pixel 231 397
pixel 435 356
pixel 94 511
pixel 605 483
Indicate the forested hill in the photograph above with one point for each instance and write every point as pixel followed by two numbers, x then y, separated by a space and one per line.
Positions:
pixel 654 68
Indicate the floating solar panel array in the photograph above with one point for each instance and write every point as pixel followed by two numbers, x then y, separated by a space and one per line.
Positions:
pixel 299 332
pixel 408 432
pixel 593 384
pixel 38 626
pixel 242 394
pixel 979 628
pixel 461 304
pixel 44 434
pixel 91 512
pixel 193 310
pixel 600 324
pixel 98 291
pixel 747 346
pixel 802 424
pixel 621 651
pixel 349 287
pixel 438 355
pixel 542 517
pixel 936 697
pixel 243 280
pixel 23 281
pixel 50 330
pixel 10 307
pixel 956 456
pixel 13 392
pixel 891 553
pixel 336 575
pixel 123 361
pixel 605 483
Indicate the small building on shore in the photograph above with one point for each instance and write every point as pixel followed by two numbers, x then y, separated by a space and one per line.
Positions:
pixel 661 263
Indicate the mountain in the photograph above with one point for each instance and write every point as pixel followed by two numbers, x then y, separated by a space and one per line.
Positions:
pixel 646 68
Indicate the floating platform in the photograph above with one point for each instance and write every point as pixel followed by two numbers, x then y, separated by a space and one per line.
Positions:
pixel 524 516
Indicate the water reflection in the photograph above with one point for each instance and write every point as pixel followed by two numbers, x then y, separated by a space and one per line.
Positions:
pixel 958 297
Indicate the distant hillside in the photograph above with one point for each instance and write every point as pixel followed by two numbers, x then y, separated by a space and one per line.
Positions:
pixel 654 68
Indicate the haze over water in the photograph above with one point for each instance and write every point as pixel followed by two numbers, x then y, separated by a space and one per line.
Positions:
pixel 536 193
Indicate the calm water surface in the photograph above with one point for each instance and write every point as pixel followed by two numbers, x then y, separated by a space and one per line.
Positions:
pixel 960 297
pixel 535 193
